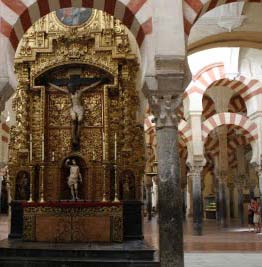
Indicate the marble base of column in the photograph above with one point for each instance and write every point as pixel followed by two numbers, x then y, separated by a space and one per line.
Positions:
pixel 197 206
pixel 222 205
pixel 170 199
pixel 241 206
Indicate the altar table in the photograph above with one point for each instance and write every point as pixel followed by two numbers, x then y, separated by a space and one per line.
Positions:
pixel 73 221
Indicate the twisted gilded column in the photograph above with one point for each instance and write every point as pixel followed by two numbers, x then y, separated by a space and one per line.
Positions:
pixel 22 117
pixel 170 198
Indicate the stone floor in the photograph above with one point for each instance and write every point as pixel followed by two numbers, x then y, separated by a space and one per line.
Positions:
pixel 234 246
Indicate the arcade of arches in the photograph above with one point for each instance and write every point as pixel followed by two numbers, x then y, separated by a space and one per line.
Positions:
pixel 138 119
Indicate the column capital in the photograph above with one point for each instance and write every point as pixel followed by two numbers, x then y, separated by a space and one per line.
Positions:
pixel 195 171
pixel 163 102
pixel 164 109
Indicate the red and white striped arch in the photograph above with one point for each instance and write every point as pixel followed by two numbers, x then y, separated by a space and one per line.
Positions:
pixel 226 118
pixel 18 15
pixel 214 75
pixel 193 9
pixel 184 131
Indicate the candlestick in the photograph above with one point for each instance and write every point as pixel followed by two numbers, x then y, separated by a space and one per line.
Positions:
pixel 31 148
pixel 31 184
pixel 104 147
pixel 104 184
pixel 43 147
pixel 116 187
pixel 42 183
pixel 115 147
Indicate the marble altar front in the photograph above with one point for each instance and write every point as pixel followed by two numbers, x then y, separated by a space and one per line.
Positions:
pixel 66 221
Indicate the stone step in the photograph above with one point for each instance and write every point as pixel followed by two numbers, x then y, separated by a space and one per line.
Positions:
pixel 69 262
pixel 90 254
pixel 16 253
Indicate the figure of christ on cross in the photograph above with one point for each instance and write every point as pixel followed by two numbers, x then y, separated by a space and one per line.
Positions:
pixel 76 110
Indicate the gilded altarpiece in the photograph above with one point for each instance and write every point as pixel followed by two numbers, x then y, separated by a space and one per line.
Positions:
pixel 98 48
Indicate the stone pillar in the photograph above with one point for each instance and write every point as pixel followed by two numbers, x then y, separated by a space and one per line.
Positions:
pixel 217 201
pixel 197 200
pixel 259 173
pixel 155 190
pixel 231 201
pixel 241 205
pixel 189 196
pixel 222 202
pixel 149 202
pixel 148 185
pixel 222 168
pixel 170 197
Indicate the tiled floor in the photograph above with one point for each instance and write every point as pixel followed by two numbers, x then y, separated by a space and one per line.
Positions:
pixel 231 247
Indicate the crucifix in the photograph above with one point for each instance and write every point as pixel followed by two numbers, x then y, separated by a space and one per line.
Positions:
pixel 76 111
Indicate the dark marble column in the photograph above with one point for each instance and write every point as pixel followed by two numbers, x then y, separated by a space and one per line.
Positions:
pixel 222 204
pixel 197 201
pixel 241 205
pixel 164 99
pixel 231 202
pixel 170 199
pixel 217 202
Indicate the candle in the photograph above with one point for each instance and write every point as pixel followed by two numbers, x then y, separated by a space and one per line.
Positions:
pixel 115 146
pixel 104 148
pixel 31 148
pixel 43 147
pixel 94 158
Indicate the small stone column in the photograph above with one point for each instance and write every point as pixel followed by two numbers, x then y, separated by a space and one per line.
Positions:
pixel 222 201
pixel 217 201
pixel 231 200
pixel 241 205
pixel 148 186
pixel 197 200
pixel 170 196
pixel 189 196
pixel 155 190
pixel 259 173
pixel 149 202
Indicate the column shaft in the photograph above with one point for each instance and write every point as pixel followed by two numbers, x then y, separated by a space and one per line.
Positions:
pixel 240 206
pixel 149 202
pixel 189 197
pixel 170 199
pixel 197 205
pixel 222 204
pixel 231 202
